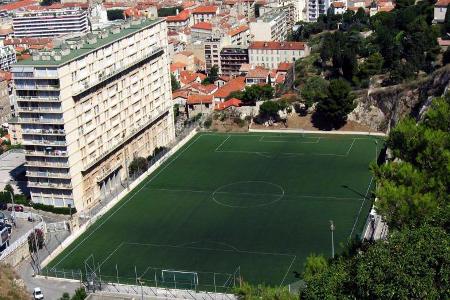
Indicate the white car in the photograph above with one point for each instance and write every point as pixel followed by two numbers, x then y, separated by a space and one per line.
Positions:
pixel 37 294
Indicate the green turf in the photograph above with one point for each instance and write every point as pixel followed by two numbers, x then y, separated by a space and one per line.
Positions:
pixel 261 202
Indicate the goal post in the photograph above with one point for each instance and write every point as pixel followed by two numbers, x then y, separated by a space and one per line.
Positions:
pixel 180 278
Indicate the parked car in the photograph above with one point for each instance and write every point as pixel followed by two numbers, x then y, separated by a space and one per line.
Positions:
pixel 17 208
pixel 3 218
pixel 3 206
pixel 37 294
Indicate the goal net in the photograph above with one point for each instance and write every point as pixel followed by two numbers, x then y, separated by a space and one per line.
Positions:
pixel 181 279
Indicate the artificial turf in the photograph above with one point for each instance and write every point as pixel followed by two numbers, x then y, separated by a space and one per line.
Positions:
pixel 260 202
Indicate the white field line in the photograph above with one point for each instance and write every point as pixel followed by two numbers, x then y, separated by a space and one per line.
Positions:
pixel 369 133
pixel 223 142
pixel 287 272
pixel 111 254
pixel 360 208
pixel 125 202
pixel 251 194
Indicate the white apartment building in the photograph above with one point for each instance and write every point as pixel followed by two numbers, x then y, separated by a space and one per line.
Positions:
pixel 270 27
pixel 7 57
pixel 50 22
pixel 204 13
pixel 316 8
pixel 271 54
pixel 213 46
pixel 289 7
pixel 238 36
pixel 91 105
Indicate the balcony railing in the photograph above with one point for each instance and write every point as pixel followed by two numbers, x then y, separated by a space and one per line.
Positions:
pixel 47 164
pixel 36 87
pixel 44 131
pixel 50 185
pixel 40 120
pixel 44 142
pixel 56 153
pixel 37 98
pixel 100 79
pixel 39 109
pixel 47 174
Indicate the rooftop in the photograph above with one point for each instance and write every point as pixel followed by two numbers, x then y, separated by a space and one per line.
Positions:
pixel 126 29
pixel 207 9
pixel 203 26
pixel 277 45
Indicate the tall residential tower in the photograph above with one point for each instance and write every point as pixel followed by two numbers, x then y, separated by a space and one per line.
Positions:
pixel 91 105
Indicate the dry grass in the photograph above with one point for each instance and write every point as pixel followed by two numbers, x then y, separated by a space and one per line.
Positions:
pixel 10 287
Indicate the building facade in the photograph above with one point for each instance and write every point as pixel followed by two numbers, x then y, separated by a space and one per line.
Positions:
pixel 272 26
pixel 231 60
pixel 271 54
pixel 212 52
pixel 316 8
pixel 5 105
pixel 89 107
pixel 7 57
pixel 50 23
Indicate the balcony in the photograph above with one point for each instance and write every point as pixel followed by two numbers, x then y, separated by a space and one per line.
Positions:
pixel 103 174
pixel 49 185
pixel 56 153
pixel 47 174
pixel 132 132
pixel 38 121
pixel 44 143
pixel 47 164
pixel 88 85
pixel 44 131
pixel 37 99
pixel 47 87
pixel 39 109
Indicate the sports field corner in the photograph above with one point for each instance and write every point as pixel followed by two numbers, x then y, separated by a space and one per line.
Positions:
pixel 253 203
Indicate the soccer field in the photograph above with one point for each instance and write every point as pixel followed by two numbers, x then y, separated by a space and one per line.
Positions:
pixel 260 203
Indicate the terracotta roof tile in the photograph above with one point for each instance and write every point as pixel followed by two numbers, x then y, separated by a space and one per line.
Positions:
pixel 237 30
pixel 205 9
pixel 235 84
pixel 231 102
pixel 182 16
pixel 199 99
pixel 204 89
pixel 203 26
pixel 277 45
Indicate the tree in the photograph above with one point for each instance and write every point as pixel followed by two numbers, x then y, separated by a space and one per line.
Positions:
pixel 35 240
pixel 8 188
pixel 138 166
pixel 447 21
pixel 65 296
pixel 315 264
pixel 49 2
pixel 174 83
pixel 80 294
pixel 213 75
pixel 261 292
pixel 115 14
pixel 371 66
pixel 332 111
pixel 269 110
pixel 314 90
pixel 169 11
pixel 446 57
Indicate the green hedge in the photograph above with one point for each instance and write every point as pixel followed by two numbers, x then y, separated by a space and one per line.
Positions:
pixel 56 210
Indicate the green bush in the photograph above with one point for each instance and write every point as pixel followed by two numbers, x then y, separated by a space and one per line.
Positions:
pixel 208 123
pixel 53 209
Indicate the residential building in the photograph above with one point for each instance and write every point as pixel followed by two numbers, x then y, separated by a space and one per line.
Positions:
pixel 270 27
pixel 271 54
pixel 212 52
pixel 5 105
pixel 50 22
pixel 7 57
pixel 204 13
pixel 231 59
pixel 181 20
pixel 90 106
pixel 338 7
pixel 316 8
pixel 201 31
pixel 233 85
pixel 238 36
pixel 289 7
pixel 187 58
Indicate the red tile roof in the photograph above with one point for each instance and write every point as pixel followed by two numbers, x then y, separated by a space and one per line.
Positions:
pixel 187 4
pixel 5 75
pixel 17 5
pixel 199 99
pixel 180 94
pixel 177 66
pixel 231 102
pixel 203 26
pixel 237 30
pixel 182 16
pixel 258 72
pixel 187 77
pixel 204 89
pixel 442 3
pixel 235 84
pixel 277 45
pixel 284 67
pixel 338 4
pixel 205 9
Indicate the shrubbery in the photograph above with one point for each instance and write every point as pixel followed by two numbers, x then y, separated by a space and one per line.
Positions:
pixel 53 209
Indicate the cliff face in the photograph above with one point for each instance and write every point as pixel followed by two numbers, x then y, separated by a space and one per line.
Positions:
pixel 382 108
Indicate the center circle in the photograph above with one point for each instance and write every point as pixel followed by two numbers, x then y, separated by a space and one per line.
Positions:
pixel 248 194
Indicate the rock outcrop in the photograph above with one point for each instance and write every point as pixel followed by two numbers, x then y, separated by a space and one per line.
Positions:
pixel 382 108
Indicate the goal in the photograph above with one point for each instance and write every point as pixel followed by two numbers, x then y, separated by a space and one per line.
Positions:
pixel 179 278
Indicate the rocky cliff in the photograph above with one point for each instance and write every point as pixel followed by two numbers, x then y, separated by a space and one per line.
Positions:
pixel 381 108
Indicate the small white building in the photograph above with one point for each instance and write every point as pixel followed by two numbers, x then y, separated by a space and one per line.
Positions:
pixel 7 57
pixel 204 13
pixel 270 54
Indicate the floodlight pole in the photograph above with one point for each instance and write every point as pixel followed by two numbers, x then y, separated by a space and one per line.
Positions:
pixel 142 289
pixel 332 228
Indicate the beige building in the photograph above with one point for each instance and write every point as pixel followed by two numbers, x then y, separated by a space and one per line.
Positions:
pixel 5 106
pixel 272 26
pixel 91 105
pixel 271 54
